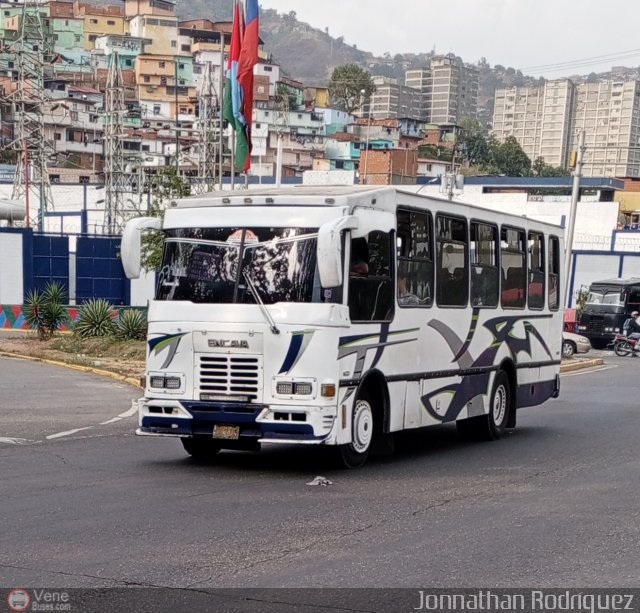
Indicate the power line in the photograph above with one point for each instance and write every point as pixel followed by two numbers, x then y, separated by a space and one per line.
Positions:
pixel 587 61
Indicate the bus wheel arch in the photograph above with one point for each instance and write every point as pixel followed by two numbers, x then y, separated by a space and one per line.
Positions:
pixel 369 419
pixel 509 368
pixel 501 414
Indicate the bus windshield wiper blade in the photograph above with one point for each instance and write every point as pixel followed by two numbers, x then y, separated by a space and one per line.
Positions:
pixel 256 297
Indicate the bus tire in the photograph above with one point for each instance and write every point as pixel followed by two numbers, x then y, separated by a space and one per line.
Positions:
pixel 202 449
pixel 491 426
pixel 355 453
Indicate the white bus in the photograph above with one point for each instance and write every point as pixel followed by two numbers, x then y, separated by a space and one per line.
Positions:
pixel 338 316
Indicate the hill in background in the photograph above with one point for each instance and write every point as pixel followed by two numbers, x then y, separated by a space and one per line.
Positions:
pixel 310 54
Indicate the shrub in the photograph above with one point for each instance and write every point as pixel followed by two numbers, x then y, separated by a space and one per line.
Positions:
pixel 131 325
pixel 44 311
pixel 95 319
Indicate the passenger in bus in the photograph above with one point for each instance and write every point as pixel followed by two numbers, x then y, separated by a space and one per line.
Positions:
pixel 405 297
pixel 359 258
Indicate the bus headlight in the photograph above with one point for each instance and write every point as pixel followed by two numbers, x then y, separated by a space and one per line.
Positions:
pixel 165 382
pixel 295 388
pixel 156 382
pixel 285 388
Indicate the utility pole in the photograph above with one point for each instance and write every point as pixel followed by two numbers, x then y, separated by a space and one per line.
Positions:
pixel 33 56
pixel 575 196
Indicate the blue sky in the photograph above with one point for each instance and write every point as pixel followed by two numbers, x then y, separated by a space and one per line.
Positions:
pixel 526 34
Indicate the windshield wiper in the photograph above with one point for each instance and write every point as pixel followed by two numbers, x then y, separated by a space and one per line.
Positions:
pixel 256 297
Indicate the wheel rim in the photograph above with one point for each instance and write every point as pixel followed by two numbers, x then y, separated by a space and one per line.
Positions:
pixel 362 426
pixel 499 405
pixel 567 350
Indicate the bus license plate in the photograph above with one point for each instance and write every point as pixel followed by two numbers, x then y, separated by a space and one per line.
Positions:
pixel 229 433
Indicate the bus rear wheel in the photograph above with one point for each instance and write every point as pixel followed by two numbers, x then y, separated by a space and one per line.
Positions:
pixel 355 453
pixel 202 449
pixel 491 426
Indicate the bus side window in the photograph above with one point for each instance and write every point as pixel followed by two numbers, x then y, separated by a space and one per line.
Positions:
pixel 536 270
pixel 415 258
pixel 485 274
pixel 371 294
pixel 514 268
pixel 452 261
pixel 554 273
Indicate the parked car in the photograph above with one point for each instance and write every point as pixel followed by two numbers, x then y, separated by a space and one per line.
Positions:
pixel 574 343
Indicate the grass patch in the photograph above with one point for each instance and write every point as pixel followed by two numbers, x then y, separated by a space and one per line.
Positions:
pixel 99 347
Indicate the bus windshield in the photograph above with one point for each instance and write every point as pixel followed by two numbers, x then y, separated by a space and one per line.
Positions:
pixel 610 298
pixel 201 265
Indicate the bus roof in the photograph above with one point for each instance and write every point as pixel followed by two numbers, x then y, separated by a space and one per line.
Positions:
pixel 621 282
pixel 283 196
pixel 384 197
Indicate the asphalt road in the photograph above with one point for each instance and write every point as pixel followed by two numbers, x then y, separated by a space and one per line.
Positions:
pixel 554 504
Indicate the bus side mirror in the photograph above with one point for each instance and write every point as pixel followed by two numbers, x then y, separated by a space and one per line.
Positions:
pixel 130 248
pixel 330 264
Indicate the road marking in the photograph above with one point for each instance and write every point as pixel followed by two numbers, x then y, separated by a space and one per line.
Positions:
pixel 67 433
pixel 15 441
pixel 110 421
pixel 132 411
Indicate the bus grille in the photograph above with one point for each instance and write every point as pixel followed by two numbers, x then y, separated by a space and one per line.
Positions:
pixel 233 376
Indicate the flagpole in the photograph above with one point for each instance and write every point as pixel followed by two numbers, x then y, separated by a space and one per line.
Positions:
pixel 223 80
pixel 233 162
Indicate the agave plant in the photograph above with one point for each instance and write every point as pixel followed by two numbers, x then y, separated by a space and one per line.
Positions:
pixel 44 311
pixel 131 325
pixel 95 319
pixel 55 292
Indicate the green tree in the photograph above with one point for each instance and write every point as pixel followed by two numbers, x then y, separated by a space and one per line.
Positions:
pixel 541 169
pixel 509 159
pixel 350 86
pixel 164 187
pixel 474 143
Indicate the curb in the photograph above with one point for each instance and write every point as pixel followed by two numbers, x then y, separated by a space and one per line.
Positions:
pixel 87 369
pixel 581 364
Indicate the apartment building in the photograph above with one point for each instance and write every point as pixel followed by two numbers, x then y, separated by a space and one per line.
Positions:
pixel 449 89
pixel 546 120
pixel 538 117
pixel 98 21
pixel 392 100
pixel 609 114
pixel 157 77
pixel 454 90
pixel 67 31
pixel 420 80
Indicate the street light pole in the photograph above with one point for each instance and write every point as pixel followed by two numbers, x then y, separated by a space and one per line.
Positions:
pixel 363 174
pixel 575 196
pixel 175 79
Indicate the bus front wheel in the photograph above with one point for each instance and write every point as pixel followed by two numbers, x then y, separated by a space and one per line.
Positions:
pixel 491 426
pixel 202 449
pixel 354 454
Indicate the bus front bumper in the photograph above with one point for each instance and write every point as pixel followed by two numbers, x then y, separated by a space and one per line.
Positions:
pixel 245 423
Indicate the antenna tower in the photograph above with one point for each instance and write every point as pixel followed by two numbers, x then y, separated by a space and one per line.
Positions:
pixel 33 54
pixel 115 180
pixel 208 126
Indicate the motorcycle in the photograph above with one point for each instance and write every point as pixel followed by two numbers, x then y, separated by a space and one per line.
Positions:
pixel 624 346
